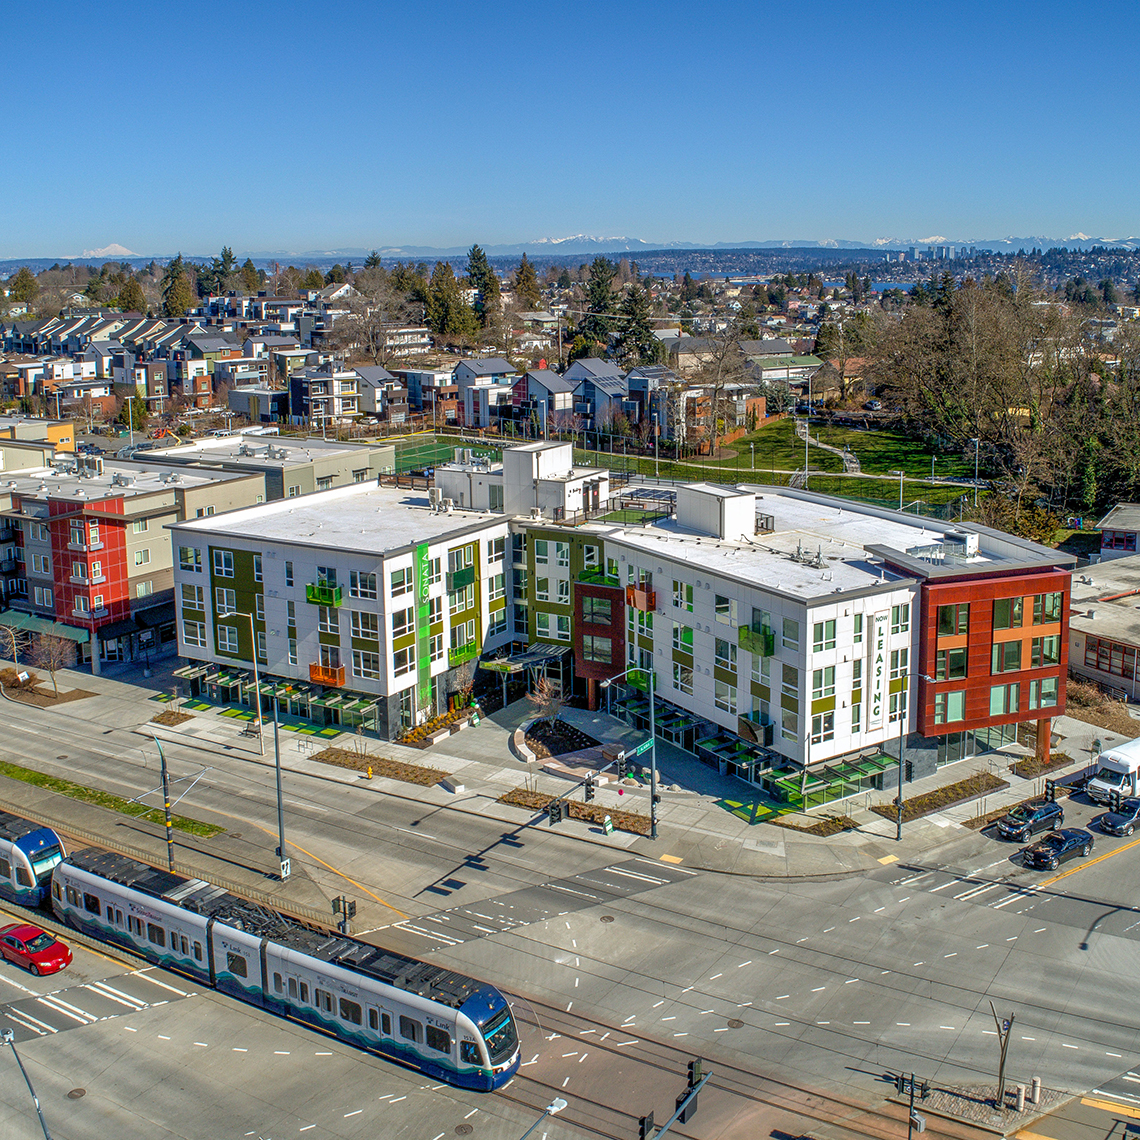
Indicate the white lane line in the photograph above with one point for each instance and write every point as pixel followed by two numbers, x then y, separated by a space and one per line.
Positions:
pixel 82 1017
pixel 743 964
pixel 397 1100
pixel 155 982
pixel 17 985
pixel 581 1059
pixel 1042 930
pixel 799 940
pixel 632 1041
pixel 713 978
pixel 975 891
pixel 783 996
pixel 782 1023
pixel 163 1037
pixel 27 1024
pixel 322 1054
pixel 983 946
pixel 1019 896
pixel 860 1023
pixel 1114 1054
pixel 201 1044
pixel 1065 1045
pixel 878 909
pixel 850 980
pixel 130 1029
pixel 946 1027
pixel 771 952
pixel 680 1035
pixel 989 1032
pixel 471 1114
pixel 236 1050
pixel 915 878
pixel 855 919
pixel 904 1024
pixel 954 955
pixel 113 994
pixel 280 1053
pixel 950 883
pixel 356 1113
pixel 673 1018
pixel 308 1126
pixel 635 875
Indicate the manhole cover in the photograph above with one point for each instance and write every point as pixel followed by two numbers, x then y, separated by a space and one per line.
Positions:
pixel 463 1130
pixel 607 918
pixel 61 757
pixel 75 1094
pixel 735 1023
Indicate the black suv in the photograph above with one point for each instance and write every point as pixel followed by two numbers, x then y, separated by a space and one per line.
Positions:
pixel 1049 853
pixel 1122 822
pixel 1027 819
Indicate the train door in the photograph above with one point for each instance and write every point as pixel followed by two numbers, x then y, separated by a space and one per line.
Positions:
pixel 237 963
pixel 380 1022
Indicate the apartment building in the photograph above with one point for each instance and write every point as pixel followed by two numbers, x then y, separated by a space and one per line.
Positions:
pixel 325 392
pixel 368 605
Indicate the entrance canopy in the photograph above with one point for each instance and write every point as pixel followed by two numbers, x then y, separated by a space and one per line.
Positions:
pixel 33 623
pixel 535 656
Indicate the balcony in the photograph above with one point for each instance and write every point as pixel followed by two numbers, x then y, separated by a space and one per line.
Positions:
pixel 594 577
pixel 642 597
pixel 755 731
pixel 85 546
pixel 318 595
pixel 7 566
pixel 463 653
pixel 460 579
pixel 758 639
pixel 326 674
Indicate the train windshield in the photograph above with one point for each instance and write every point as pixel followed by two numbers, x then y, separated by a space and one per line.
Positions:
pixel 44 861
pixel 500 1035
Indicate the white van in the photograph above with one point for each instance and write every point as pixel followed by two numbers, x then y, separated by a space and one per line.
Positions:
pixel 1118 771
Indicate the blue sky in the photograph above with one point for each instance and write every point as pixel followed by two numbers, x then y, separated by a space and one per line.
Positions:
pixel 313 126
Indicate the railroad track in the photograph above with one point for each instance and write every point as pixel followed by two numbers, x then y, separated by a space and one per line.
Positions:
pixel 632 1078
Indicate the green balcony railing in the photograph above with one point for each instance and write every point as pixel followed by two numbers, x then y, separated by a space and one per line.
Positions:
pixel 760 640
pixel 463 653
pixel 318 595
pixel 599 578
pixel 460 579
pixel 638 679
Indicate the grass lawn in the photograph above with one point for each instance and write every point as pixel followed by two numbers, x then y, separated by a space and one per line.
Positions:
pixel 778 446
pixel 880 452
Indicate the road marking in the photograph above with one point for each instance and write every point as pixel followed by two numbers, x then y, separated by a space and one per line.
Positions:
pixel 771 952
pixel 17 985
pixel 1020 895
pixel 58 1008
pixel 1064 1045
pixel 886 859
pixel 1029 1039
pixel 471 1114
pixel 983 946
pixel 946 1027
pixel 782 996
pixel 41 1027
pixel 783 1023
pixel 818 988
pixel 1090 863
pixel 277 1052
pixel 940 886
pixel 975 891
pixel 236 1050
pixel 850 980
pixel 1041 931
pixel 877 909
pixel 743 964
pixel 154 981
pixel 116 995
pixel 954 955
pixel 356 1113
pixel 670 859
pixel 397 1100
pixel 163 1037
pixel 632 1041
pixel 904 1024
pixel 1114 1054
pixel 1111 1106
pixel 714 977
pixel 855 919
pixel 860 1023
pixel 308 1126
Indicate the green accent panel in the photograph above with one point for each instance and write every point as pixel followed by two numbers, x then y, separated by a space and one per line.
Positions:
pixel 594 577
pixel 856 696
pixel 367 646
pixel 329 638
pixel 497 604
pixel 824 704
pixel 897 685
pixel 458 656
pixel 682 658
pixel 423 629
pixel 323 595
pixel 761 641
pixel 761 691
pixel 724 675
pixel 790 703
pixel 645 642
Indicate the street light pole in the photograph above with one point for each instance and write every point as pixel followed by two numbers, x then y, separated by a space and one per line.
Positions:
pixel 555 1106
pixel 256 676
pixel 10 1039
pixel 280 804
pixel 656 463
pixel 652 740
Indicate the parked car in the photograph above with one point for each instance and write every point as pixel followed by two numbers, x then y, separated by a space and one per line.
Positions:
pixel 1029 818
pixel 34 949
pixel 1123 822
pixel 874 405
pixel 1058 848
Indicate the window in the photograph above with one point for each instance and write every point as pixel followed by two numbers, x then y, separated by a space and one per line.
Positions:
pixel 350 1011
pixel 227 639
pixel 324 482
pixel 563 592
pixel 279 984
pixel 435 571
pixel 78 533
pixel 435 647
pixel 41 564
pixel 724 696
pixel 257 568
pixel 82 605
pixel 1006 657
pixel 194 633
pixel 438 1039
pixel 790 680
pixel 682 596
pixel 950 664
pixel 900 618
pixel 497 549
pixel 328 620
pixel 857 635
pixel 791 636
pixel 461 600
pixel 288 573
pixel 435 610
pixel 682 637
pixel 410 1029
pixel 1045 651
pixel 949 707
pixel 762 669
pixel 144 589
pixel 725 655
pixel 541 551
pixel 225 601
pixel 590 555
pixel 856 716
pixel 542 625
pixel 259 607
pixel 361 584
pixel 683 677
pixel 857 673
pixel 1004 699
pixel 1007 613
pixel 899 663
pixel 44 596
pixel 561 627
pixel 292 651
pixel 330 657
pixel 469 1053
pixel 597 611
pixel 823 635
pixel 954 620
pixel 897 706
pixel 223 563
pixel 326 576
pixel 498 587
pixel 460 559
pixel 404 660
pixel 403 622
pixel 91 904
pixel 823 727
pixel 789 724
pixel 190 558
pixel 725 610
pixel 157 935
pixel 360 475
pixel 402 581
pixel 1046 608
pixel 597 649
pixel 562 553
pixel 262 655
pixel 497 623
pixel 1043 693
pixel 823 683
pixel 193 596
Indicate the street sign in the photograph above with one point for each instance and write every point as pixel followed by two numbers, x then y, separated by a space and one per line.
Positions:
pixel 644 747
pixel 918 1122
pixel 285 868
pixel 608 825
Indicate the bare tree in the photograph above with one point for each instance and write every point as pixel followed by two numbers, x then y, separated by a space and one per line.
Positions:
pixel 722 363
pixel 53 653
pixel 463 678
pixel 547 699
pixel 13 642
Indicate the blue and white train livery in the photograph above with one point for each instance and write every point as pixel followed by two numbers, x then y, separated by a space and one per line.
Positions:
pixel 451 1027
pixel 28 852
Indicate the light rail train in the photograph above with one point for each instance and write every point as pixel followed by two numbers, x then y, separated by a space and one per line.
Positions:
pixel 28 854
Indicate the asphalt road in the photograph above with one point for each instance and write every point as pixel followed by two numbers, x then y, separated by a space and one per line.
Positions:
pixel 829 984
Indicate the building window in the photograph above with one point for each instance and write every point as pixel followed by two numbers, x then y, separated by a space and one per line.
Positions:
pixel 97 603
pixel 44 597
pixel 434 610
pixel 683 678
pixel 223 563
pixel 193 596
pixel 82 605
pixel 227 639
pixel 725 654
pixel 900 618
pixel 823 683
pixel 823 727
pixel 950 664
pixel 725 610
pixel 403 622
pixel 562 553
pixel 144 589
pixel 435 647
pixel 360 475
pixel 900 659
pixel 950 707
pixel 590 556
pixel 330 657
pixel 291 612
pixel 257 568
pixel 435 570
pixel 823 635
pixel 498 623
pixel 1043 693
pixel 262 655
pixel 366 665
pixel 497 549
pixel 857 634
pixel 954 620
pixel 225 601
pixel 541 551
pixel 403 580
pixel 791 636
pixel 1007 613
pixel 367 625
pixel 1006 657
pixel 897 706
pixel 461 600
pixel 259 607
pixel 328 619
pixel 599 649
pixel 292 651
pixel 194 633
pixel 190 558
pixel 1046 608
pixel 324 483
pixel 790 680
pixel 856 716
pixel 857 673
pixel 326 576
pixel 563 592
pixel 597 611
pixel 1004 699
pixel 1045 651
pixel 288 573
pixel 499 587
pixel 682 637
pixel 142 557
pixel 789 724
pixel 682 596
pixel 761 669
pixel 724 696
pixel 561 627
pixel 404 661
pixel 361 585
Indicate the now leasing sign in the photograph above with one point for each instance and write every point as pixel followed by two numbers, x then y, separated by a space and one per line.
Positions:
pixel 877 670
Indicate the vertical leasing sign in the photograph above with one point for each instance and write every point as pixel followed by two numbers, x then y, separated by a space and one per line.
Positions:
pixel 877 668
pixel 423 654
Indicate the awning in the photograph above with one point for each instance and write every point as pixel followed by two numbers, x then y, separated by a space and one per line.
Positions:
pixel 155 616
pixel 122 628
pixel 535 655
pixel 33 623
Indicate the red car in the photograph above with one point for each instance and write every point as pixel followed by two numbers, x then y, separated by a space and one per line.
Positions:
pixel 33 948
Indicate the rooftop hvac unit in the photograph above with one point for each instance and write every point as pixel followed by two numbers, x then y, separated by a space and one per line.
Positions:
pixel 536 512
pixel 448 505
pixel 435 497
pixel 960 542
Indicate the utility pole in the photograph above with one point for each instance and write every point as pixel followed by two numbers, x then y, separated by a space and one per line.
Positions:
pixel 166 808
pixel 9 1039
pixel 285 868
pixel 1003 1031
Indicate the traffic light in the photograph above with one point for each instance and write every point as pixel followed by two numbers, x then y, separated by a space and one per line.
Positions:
pixel 588 788
pixel 621 769
pixel 924 1088
pixel 1051 791
pixel 900 1084
pixel 1115 801
pixel 645 1127
pixel 695 1067
pixel 689 1100
pixel 554 812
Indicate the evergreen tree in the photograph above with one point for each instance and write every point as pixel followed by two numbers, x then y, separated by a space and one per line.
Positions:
pixel 131 298
pixel 447 312
pixel 636 343
pixel 599 320
pixel 372 261
pixel 23 286
pixel 314 279
pixel 179 297
pixel 250 278
pixel 526 286
pixel 134 413
pixel 488 303
pixel 564 280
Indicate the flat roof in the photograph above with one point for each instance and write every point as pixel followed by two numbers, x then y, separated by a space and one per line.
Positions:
pixel 361 518
pixel 257 451
pixel 144 479
pixel 1124 516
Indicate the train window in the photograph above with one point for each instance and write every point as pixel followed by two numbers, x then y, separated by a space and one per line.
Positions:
pixel 236 965
pixel 386 1024
pixel 410 1029
pixel 278 984
pixel 155 934
pixel 438 1039
pixel 373 1019
pixel 185 945
pixel 91 904
pixel 198 951
pixel 322 999
pixel 469 1053
pixel 24 877
pixel 72 896
pixel 118 917
pixel 292 987
pixel 56 892
pixel 305 992
pixel 6 869
pixel 350 1011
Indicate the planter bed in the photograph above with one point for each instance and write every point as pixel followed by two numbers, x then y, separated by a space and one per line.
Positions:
pixel 381 766
pixel 592 813
pixel 972 788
